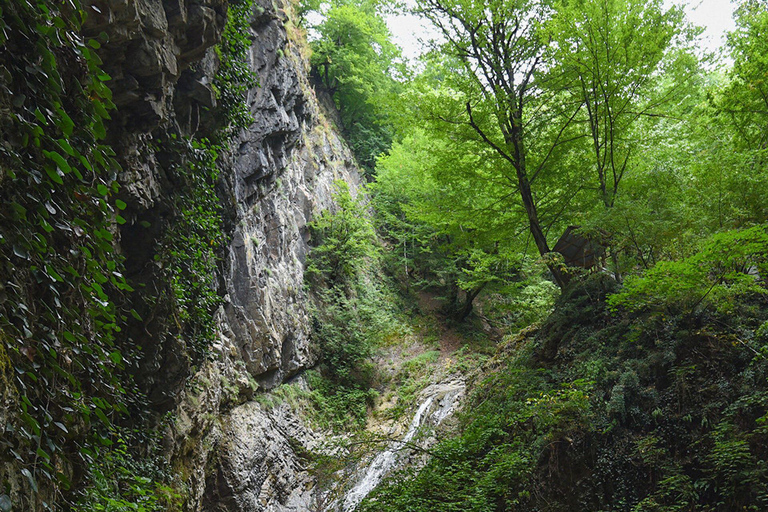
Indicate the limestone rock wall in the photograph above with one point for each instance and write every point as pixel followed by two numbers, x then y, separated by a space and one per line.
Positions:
pixel 232 453
pixel 263 463
pixel 283 171
pixel 280 173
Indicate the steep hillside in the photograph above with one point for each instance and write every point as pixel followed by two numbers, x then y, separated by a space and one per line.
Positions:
pixel 594 410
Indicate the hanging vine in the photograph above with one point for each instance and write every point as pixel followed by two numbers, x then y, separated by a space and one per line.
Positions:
pixel 63 363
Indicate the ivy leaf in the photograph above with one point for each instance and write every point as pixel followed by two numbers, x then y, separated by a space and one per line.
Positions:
pixel 100 109
pixel 66 147
pixel 53 174
pixel 60 161
pixel 116 357
pixel 40 117
pixel 103 417
pixel 54 275
pixel 20 252
pixel 65 123
pixel 98 130
pixel 42 453
pixel 30 478
pixel 20 210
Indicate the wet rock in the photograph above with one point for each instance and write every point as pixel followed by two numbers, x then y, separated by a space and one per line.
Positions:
pixel 437 403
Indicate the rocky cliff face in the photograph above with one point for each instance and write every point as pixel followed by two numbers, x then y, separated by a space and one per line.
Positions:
pixel 229 453
pixel 280 173
pixel 283 172
pixel 262 463
pixel 234 454
pixel 159 55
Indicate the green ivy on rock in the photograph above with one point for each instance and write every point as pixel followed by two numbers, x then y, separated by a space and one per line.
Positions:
pixel 189 250
pixel 60 275
pixel 234 78
pixel 64 364
pixel 190 246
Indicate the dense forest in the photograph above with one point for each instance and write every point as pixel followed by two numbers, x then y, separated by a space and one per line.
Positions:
pixel 577 185
pixel 645 389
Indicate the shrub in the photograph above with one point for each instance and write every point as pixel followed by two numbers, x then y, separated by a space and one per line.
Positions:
pixel 729 265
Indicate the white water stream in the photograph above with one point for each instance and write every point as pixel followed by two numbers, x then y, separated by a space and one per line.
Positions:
pixel 439 402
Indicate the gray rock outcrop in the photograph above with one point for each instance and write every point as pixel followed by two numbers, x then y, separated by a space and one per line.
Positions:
pixel 226 451
pixel 230 453
pixel 263 463
pixel 234 454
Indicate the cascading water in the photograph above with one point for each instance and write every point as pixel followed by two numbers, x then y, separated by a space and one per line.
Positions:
pixel 439 402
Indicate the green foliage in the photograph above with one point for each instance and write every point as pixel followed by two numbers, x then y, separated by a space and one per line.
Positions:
pixel 606 59
pixel 354 59
pixel 448 225
pixel 521 304
pixel 345 340
pixel 344 239
pixel 63 297
pixel 636 413
pixel 744 104
pixel 190 246
pixel 663 406
pixel 121 483
pixel 234 78
pixel 515 415
pixel 61 278
pixel 340 407
pixel 353 310
pixel 729 265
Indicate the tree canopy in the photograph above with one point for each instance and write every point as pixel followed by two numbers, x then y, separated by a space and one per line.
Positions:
pixel 354 61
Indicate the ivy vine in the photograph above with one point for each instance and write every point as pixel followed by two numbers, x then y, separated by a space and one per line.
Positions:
pixel 191 246
pixel 63 295
pixel 60 274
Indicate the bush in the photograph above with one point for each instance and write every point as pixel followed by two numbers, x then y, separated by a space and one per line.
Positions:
pixel 638 412
pixel 729 265
pixel 353 311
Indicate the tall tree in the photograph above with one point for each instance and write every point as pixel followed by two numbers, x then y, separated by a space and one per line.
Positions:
pixel 743 107
pixel 610 52
pixel 499 47
pixel 434 223
pixel 746 98
pixel 609 55
pixel 354 60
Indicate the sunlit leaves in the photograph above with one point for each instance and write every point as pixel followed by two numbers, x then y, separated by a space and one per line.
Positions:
pixel 728 266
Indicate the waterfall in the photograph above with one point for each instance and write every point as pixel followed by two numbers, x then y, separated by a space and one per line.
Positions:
pixel 438 403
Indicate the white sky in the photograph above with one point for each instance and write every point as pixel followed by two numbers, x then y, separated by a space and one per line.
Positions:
pixel 714 15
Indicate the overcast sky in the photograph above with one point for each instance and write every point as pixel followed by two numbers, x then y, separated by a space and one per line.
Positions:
pixel 714 15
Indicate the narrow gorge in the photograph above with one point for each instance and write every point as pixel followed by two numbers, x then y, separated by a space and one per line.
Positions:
pixel 257 257
pixel 226 451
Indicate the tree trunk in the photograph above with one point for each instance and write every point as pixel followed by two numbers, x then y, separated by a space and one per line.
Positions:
pixel 561 278
pixel 463 312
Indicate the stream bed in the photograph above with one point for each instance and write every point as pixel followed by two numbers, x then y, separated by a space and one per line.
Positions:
pixel 437 402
